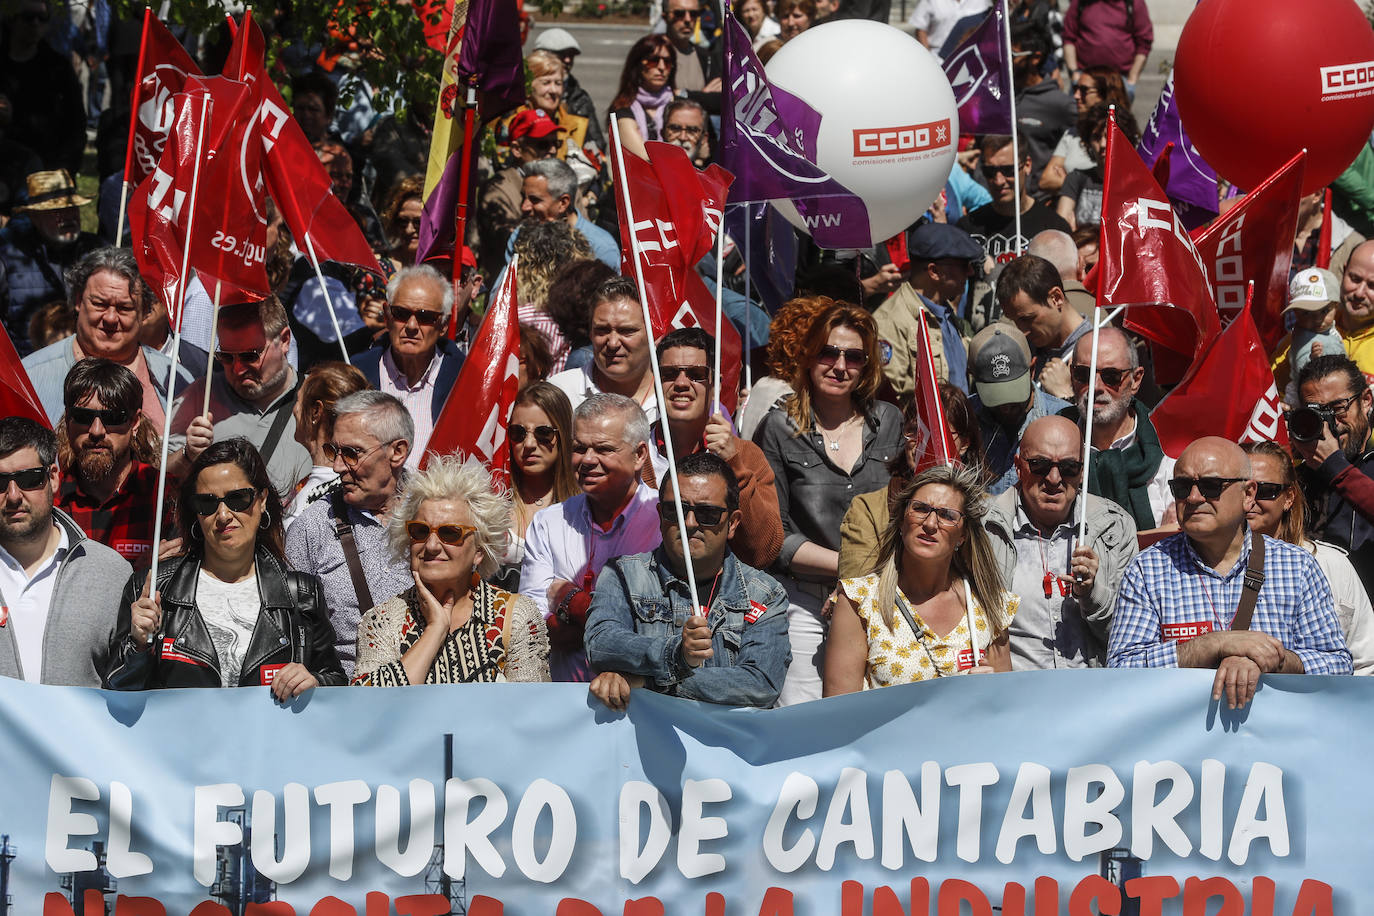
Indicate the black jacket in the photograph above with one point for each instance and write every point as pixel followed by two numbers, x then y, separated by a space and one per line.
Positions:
pixel 292 626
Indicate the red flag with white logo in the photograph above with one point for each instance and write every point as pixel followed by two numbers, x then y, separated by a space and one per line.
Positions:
pixel 1229 392
pixel 474 418
pixel 1253 242
pixel 1146 259
pixel 164 68
pixel 934 445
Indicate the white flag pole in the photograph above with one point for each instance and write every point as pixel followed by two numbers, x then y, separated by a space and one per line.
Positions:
pixel 123 205
pixel 653 360
pixel 210 365
pixel 720 294
pixel 328 300
pixel 748 295
pixel 1015 143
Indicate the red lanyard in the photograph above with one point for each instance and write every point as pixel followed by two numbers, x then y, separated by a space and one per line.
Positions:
pixel 1049 576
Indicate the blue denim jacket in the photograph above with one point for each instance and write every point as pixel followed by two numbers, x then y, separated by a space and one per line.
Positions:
pixel 635 623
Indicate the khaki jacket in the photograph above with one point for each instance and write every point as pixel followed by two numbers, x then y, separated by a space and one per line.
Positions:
pixel 896 320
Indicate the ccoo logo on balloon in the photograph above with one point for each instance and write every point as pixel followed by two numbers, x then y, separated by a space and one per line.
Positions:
pixel 1347 80
pixel 901 141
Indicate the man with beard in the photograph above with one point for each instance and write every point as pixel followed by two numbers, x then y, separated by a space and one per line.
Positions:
pixel 1338 469
pixel 253 397
pixel 1129 466
pixel 35 259
pixel 109 457
pixel 61 589
pixel 684 124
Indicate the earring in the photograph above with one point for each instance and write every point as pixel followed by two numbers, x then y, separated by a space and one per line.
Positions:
pixel 474 580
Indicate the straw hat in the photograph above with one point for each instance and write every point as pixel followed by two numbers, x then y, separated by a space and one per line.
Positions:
pixel 52 190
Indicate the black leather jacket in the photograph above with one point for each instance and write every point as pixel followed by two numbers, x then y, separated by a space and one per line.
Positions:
pixel 293 626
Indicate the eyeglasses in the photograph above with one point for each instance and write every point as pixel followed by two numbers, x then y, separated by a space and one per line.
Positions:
pixel 109 416
pixel 690 130
pixel 1112 378
pixel 350 454
pixel 698 374
pixel 944 516
pixel 247 357
pixel 1069 468
pixel 408 221
pixel 1082 89
pixel 657 61
pixel 235 501
pixel 1267 491
pixel 853 356
pixel 423 317
pixel 1336 407
pixel 448 534
pixel 992 171
pixel 544 435
pixel 707 516
pixel 683 14
pixel 1209 487
pixel 28 479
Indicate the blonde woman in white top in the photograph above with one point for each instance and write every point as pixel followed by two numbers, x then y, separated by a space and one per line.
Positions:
pixel 937 606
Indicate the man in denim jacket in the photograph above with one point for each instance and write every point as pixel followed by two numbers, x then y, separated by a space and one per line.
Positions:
pixel 642 630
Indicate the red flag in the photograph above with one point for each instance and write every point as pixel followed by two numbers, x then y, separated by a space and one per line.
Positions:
pixel 473 419
pixel 1146 259
pixel 1253 242
pixel 1230 392
pixel 17 397
pixel 295 178
pixel 164 67
pixel 934 444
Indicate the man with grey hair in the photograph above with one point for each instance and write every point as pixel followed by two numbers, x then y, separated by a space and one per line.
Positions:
pixel 343 539
pixel 418 364
pixel 1057 247
pixel 685 125
pixel 567 544
pixel 548 191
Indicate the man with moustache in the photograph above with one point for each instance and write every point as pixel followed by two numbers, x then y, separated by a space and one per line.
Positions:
pixel 685 125
pixel 731 650
pixel 109 460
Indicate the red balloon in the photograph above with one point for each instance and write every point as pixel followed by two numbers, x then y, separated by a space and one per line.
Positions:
pixel 1259 80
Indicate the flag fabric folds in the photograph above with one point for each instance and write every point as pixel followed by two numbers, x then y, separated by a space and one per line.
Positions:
pixel 491 57
pixel 1192 184
pixel 448 132
pixel 979 75
pixel 165 68
pixel 934 444
pixel 770 253
pixel 17 395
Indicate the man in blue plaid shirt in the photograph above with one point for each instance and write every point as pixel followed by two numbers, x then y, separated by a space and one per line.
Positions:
pixel 1177 599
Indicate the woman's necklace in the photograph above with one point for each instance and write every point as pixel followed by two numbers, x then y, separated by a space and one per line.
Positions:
pixel 832 436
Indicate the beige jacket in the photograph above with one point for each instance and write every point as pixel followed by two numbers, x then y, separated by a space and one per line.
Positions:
pixel 896 320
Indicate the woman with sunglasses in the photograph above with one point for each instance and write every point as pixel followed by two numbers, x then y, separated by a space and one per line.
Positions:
pixel 541 474
pixel 227 611
pixel 646 88
pixel 1097 86
pixel 324 385
pixel 1279 510
pixel 829 443
pixel 451 627
pixel 936 606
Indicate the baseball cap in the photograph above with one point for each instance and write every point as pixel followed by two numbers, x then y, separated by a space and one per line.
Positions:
pixel 532 123
pixel 1000 360
pixel 938 241
pixel 1313 289
pixel 557 41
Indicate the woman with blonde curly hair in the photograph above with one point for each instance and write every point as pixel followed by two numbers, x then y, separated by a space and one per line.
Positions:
pixel 937 605
pixel 451 626
pixel 543 249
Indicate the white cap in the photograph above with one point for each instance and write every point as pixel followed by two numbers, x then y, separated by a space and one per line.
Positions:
pixel 1313 289
pixel 557 40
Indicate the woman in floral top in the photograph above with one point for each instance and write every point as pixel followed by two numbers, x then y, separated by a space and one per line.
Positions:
pixel 936 606
pixel 451 627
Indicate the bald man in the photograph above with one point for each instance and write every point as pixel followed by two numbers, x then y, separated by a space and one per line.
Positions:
pixel 1356 316
pixel 1178 599
pixel 1067 588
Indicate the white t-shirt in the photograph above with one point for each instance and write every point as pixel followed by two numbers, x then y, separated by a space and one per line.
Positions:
pixel 937 18
pixel 230 611
pixel 26 601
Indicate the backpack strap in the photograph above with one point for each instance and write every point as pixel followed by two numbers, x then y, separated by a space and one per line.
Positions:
pixel 1254 581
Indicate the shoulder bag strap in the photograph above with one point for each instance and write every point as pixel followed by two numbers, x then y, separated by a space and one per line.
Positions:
pixel 910 621
pixel 344 531
pixel 1254 580
pixel 284 412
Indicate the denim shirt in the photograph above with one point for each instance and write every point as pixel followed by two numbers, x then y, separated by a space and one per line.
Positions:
pixel 635 624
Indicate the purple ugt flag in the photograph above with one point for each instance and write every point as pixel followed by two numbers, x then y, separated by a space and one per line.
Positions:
pixel 1192 182
pixel 491 57
pixel 978 74
pixel 765 135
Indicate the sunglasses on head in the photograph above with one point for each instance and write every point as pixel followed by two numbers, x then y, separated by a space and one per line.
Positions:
pixel 247 357
pixel 1267 491
pixel 544 435
pixel 448 534
pixel 109 416
pixel 1069 468
pixel 698 374
pixel 28 479
pixel 707 516
pixel 1209 487
pixel 853 356
pixel 992 171
pixel 424 317
pixel 1112 378
pixel 235 501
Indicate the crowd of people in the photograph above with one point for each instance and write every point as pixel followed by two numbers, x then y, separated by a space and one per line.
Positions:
pixel 800 546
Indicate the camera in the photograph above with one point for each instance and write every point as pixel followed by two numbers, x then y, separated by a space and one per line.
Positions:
pixel 1305 424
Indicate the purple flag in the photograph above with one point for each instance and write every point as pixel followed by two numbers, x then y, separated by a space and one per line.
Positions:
pixel 1192 182
pixel 979 75
pixel 437 223
pixel 772 251
pixel 765 134
pixel 491 57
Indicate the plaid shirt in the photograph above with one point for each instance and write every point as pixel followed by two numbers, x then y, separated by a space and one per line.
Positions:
pixel 124 522
pixel 1168 596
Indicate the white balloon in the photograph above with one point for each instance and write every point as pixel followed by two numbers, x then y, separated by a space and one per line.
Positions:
pixel 889 125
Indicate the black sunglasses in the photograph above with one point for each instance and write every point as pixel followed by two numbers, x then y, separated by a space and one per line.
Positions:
pixel 544 435
pixel 1209 487
pixel 1069 468
pixel 247 357
pixel 424 317
pixel 28 479
pixel 683 14
pixel 992 171
pixel 109 416
pixel 830 355
pixel 1111 377
pixel 1081 89
pixel 235 501
pixel 1267 491
pixel 708 516
pixel 698 374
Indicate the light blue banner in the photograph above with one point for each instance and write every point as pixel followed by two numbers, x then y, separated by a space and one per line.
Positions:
pixel 1002 790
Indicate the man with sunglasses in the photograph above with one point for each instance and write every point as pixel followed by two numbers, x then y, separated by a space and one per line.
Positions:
pixel 59 589
pixel 1067 588
pixel 418 365
pixel 698 66
pixel 1179 599
pixel 685 358
pixel 1337 475
pixel 993 225
pixel 642 629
